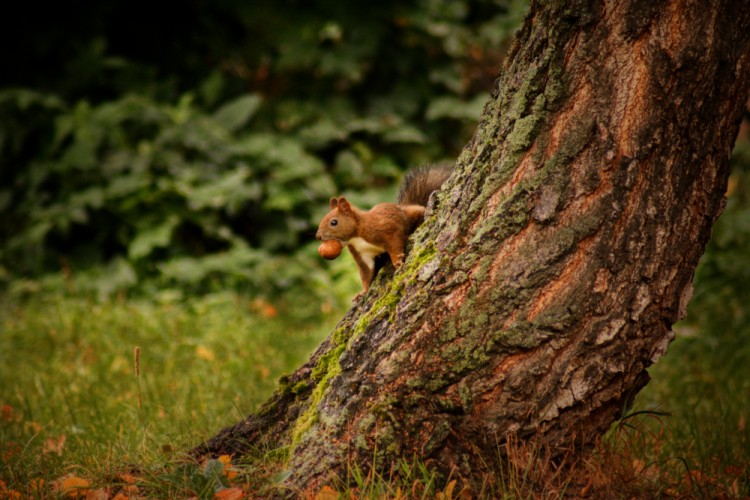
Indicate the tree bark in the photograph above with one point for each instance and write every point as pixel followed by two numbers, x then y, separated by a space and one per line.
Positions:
pixel 548 275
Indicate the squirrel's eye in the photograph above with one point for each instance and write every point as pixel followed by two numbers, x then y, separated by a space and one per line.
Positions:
pixel 334 222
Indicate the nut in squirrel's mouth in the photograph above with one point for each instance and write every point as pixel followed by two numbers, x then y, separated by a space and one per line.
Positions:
pixel 330 249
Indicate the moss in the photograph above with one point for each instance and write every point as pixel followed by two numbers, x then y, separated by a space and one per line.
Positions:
pixel 440 432
pixel 526 129
pixel 299 388
pixel 436 383
pixel 467 400
pixel 465 355
pixel 522 335
pixel 448 404
pixel 326 369
pixel 361 443
pixel 340 336
pixel 304 423
pixel 415 401
pixel 418 258
pixel 323 372
pixel 414 383
pixel 366 423
pixel 448 332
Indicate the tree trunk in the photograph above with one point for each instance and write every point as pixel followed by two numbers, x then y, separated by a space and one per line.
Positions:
pixel 555 261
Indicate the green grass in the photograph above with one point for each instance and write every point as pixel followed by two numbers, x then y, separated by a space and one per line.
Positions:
pixel 70 403
pixel 70 397
pixel 703 444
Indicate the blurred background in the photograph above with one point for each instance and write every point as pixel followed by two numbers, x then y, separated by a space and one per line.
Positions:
pixel 163 167
pixel 194 145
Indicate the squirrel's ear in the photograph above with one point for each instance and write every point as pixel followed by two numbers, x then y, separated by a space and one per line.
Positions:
pixel 334 202
pixel 344 205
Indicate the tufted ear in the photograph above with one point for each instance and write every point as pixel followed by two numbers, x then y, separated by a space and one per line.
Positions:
pixel 344 206
pixel 334 202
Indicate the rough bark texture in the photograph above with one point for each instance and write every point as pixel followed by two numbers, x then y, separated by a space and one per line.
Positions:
pixel 557 257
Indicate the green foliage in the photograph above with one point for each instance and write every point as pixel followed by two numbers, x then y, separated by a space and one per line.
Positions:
pixel 215 176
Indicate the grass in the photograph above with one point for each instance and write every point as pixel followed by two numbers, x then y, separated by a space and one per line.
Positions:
pixel 70 397
pixel 703 444
pixel 70 407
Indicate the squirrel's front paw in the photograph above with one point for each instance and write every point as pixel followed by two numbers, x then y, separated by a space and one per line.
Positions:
pixel 398 261
pixel 359 296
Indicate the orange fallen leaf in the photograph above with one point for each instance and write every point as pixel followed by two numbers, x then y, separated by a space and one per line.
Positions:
pixel 130 488
pixel 204 352
pixel 326 493
pixel 100 494
pixel 37 486
pixel 229 471
pixel 74 487
pixel 130 479
pixel 229 494
pixel 6 493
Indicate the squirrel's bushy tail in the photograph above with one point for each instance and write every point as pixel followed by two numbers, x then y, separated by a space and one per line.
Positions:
pixel 420 182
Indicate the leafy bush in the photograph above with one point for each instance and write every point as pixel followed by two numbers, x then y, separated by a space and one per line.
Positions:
pixel 221 184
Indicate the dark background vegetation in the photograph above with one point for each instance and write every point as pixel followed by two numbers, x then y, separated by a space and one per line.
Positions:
pixel 195 144
pixel 185 148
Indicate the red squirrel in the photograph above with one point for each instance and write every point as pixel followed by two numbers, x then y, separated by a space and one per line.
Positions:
pixel 382 229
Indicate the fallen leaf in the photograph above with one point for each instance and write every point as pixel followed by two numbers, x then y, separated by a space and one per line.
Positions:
pixel 229 494
pixel 204 352
pixel 6 493
pixel 100 494
pixel 129 479
pixel 74 487
pixel 449 489
pixel 36 486
pixel 466 493
pixel 326 493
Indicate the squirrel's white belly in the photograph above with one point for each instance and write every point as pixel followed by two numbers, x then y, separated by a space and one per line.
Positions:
pixel 366 250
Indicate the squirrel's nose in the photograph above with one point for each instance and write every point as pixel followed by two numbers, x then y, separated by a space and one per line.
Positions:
pixel 318 235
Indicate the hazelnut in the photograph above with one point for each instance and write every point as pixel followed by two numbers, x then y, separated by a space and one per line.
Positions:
pixel 330 249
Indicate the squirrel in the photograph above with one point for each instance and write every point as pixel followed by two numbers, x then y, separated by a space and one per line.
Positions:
pixel 382 229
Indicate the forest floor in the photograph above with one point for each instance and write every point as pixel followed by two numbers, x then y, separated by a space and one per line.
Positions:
pixel 102 399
